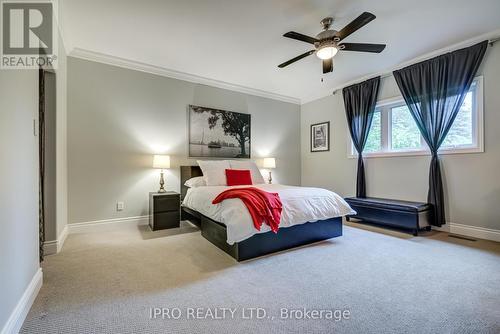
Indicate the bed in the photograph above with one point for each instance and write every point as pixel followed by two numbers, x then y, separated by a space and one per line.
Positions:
pixel 238 238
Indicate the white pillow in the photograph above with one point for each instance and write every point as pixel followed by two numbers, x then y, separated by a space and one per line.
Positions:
pixel 214 171
pixel 195 182
pixel 251 166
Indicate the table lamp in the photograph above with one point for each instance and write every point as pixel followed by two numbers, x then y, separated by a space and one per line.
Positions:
pixel 270 163
pixel 161 162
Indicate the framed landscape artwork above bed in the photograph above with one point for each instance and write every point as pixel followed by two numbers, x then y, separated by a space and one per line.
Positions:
pixel 320 137
pixel 217 133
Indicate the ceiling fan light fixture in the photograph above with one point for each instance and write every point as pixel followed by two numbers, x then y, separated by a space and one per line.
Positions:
pixel 327 52
pixel 326 43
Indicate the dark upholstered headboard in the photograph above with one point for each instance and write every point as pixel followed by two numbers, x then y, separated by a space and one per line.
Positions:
pixel 188 172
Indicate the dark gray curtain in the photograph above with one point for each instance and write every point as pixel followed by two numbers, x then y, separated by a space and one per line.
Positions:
pixel 41 160
pixel 360 100
pixel 434 91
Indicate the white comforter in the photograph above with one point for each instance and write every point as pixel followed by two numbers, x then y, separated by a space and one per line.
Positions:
pixel 300 205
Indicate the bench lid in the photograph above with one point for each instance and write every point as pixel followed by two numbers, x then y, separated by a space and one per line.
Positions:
pixel 386 203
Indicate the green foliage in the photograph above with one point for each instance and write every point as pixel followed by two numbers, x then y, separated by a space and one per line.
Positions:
pixel 461 130
pixel 405 133
pixel 374 141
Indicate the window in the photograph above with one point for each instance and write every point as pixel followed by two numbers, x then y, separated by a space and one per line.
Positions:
pixel 374 140
pixel 462 131
pixel 405 134
pixel 394 132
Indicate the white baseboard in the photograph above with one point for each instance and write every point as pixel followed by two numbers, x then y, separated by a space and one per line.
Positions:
pixel 18 315
pixel 50 247
pixel 106 224
pixel 55 246
pixel 62 238
pixel 470 231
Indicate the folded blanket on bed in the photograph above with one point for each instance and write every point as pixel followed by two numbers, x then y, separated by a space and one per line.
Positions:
pixel 264 207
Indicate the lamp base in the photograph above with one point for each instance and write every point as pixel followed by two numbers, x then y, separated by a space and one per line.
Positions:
pixel 162 182
pixel 270 179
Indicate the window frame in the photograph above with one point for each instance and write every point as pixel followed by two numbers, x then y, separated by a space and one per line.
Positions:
pixel 386 135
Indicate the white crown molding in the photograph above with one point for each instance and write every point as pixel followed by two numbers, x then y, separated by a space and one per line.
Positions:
pixel 100 225
pixel 388 72
pixel 18 315
pixel 165 72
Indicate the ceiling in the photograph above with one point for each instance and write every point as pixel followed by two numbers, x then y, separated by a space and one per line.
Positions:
pixel 240 41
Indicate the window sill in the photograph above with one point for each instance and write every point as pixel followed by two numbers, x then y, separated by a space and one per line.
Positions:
pixel 417 153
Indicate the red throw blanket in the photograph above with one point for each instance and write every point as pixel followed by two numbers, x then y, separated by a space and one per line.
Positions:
pixel 264 207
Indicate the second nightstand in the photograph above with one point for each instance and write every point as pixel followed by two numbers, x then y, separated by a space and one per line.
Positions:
pixel 164 210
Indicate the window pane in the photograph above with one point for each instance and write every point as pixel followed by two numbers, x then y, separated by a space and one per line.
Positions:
pixel 461 131
pixel 374 143
pixel 404 130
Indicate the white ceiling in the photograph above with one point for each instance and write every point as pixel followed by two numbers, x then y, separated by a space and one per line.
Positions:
pixel 240 41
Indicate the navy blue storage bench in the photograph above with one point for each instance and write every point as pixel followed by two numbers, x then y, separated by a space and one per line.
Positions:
pixel 403 214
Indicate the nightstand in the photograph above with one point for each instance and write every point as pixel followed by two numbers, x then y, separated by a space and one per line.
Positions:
pixel 164 210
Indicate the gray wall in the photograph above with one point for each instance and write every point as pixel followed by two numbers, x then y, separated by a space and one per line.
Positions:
pixel 472 182
pixel 118 118
pixel 19 245
pixel 61 139
pixel 18 186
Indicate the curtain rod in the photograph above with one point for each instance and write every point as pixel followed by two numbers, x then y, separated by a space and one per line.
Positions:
pixel 388 74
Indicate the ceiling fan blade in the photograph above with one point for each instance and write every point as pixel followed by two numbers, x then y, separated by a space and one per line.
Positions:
pixel 363 47
pixel 327 65
pixel 300 37
pixel 293 60
pixel 358 22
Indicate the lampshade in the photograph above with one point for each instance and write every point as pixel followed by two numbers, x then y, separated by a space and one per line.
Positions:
pixel 161 161
pixel 269 163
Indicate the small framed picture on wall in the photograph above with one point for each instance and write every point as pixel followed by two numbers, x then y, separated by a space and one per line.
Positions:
pixel 320 137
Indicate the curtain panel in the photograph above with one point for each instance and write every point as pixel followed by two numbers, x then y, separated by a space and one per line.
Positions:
pixel 41 161
pixel 434 91
pixel 360 101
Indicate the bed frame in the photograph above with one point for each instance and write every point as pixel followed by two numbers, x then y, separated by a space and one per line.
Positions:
pixel 262 243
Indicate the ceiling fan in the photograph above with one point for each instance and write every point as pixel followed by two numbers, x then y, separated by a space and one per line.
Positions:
pixel 327 45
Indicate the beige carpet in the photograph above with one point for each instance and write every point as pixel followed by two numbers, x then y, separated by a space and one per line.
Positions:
pixel 107 282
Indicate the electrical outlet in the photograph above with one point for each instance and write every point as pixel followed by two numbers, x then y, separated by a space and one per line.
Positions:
pixel 120 206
